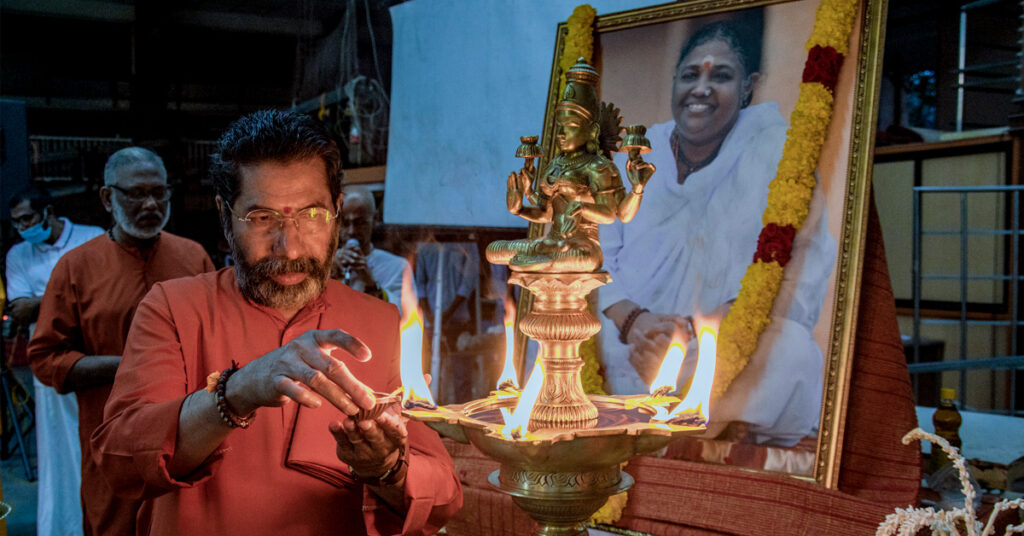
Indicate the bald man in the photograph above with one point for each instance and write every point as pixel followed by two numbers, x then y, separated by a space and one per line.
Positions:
pixel 365 268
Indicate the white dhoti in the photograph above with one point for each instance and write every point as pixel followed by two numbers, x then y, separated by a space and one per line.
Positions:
pixel 59 512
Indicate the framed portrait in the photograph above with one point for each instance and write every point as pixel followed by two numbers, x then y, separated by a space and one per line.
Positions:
pixel 715 83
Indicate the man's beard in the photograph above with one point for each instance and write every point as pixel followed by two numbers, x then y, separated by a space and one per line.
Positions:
pixel 256 281
pixel 129 227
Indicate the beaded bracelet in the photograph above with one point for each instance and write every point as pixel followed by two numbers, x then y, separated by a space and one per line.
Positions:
pixel 229 417
pixel 628 324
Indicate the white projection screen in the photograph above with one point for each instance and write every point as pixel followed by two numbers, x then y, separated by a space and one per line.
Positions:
pixel 469 77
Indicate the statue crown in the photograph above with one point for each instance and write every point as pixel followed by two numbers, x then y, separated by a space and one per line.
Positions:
pixel 580 95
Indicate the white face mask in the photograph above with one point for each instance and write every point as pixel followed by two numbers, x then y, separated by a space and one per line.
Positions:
pixel 38 233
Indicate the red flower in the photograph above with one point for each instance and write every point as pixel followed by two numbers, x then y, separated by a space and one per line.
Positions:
pixel 822 66
pixel 775 243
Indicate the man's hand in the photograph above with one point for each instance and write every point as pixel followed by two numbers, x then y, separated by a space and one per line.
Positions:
pixel 371 447
pixel 299 369
pixel 650 338
pixel 24 311
pixel 352 260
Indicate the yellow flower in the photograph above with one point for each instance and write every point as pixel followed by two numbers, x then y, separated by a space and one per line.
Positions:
pixel 579 43
pixel 747 319
pixel 788 203
pixel 833 24
pixel 810 119
pixel 593 382
pixel 611 512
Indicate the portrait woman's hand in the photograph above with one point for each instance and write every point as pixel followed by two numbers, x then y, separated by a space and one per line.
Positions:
pixel 649 339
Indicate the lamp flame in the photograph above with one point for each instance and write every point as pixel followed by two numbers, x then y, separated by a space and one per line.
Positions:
pixel 416 392
pixel 508 372
pixel 669 371
pixel 697 403
pixel 517 421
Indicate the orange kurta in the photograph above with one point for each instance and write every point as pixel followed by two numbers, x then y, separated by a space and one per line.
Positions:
pixel 87 310
pixel 281 475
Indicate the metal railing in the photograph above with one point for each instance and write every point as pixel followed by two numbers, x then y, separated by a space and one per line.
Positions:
pixel 72 158
pixel 1001 76
pixel 63 158
pixel 1009 319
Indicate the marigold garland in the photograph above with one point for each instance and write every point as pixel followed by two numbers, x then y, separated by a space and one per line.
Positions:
pixel 593 381
pixel 775 244
pixel 790 192
pixel 611 512
pixel 580 41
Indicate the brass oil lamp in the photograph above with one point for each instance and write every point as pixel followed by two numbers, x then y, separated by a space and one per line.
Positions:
pixel 560 449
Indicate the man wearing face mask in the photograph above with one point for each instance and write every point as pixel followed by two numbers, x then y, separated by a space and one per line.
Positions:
pixel 46 238
pixel 89 304
pixel 29 265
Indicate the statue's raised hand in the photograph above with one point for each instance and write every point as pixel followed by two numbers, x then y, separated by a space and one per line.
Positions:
pixel 514 195
pixel 638 171
pixel 518 184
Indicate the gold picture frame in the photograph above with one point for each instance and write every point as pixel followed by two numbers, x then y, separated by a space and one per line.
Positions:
pixel 844 169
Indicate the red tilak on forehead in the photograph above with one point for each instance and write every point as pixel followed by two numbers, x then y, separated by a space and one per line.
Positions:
pixel 287 210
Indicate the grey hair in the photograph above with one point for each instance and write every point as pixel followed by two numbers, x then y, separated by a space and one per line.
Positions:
pixel 361 192
pixel 127 156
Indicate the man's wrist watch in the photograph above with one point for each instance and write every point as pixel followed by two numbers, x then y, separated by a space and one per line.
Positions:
pixel 388 478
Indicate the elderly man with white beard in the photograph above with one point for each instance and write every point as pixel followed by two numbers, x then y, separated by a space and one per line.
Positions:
pixel 89 304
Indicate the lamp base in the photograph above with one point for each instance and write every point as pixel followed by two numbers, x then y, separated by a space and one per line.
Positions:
pixel 560 502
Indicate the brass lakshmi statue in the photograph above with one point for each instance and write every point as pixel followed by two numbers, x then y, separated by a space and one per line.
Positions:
pixel 579 189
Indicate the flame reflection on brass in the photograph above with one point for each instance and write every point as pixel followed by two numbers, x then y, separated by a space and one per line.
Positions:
pixel 517 422
pixel 508 373
pixel 416 394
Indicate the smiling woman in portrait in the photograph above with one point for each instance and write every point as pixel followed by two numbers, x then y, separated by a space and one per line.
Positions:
pixel 679 264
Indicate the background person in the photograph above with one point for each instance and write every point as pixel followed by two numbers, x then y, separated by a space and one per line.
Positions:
pixel 29 265
pixel 688 248
pixel 364 267
pixel 447 275
pixel 89 304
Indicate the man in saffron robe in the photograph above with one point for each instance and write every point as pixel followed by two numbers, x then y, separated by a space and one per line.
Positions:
pixel 201 423
pixel 88 306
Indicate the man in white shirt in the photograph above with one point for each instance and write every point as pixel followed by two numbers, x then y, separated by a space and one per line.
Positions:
pixel 29 263
pixel 363 267
pixel 447 274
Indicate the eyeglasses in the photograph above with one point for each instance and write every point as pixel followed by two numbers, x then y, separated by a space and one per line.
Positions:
pixel 27 220
pixel 160 194
pixel 310 220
